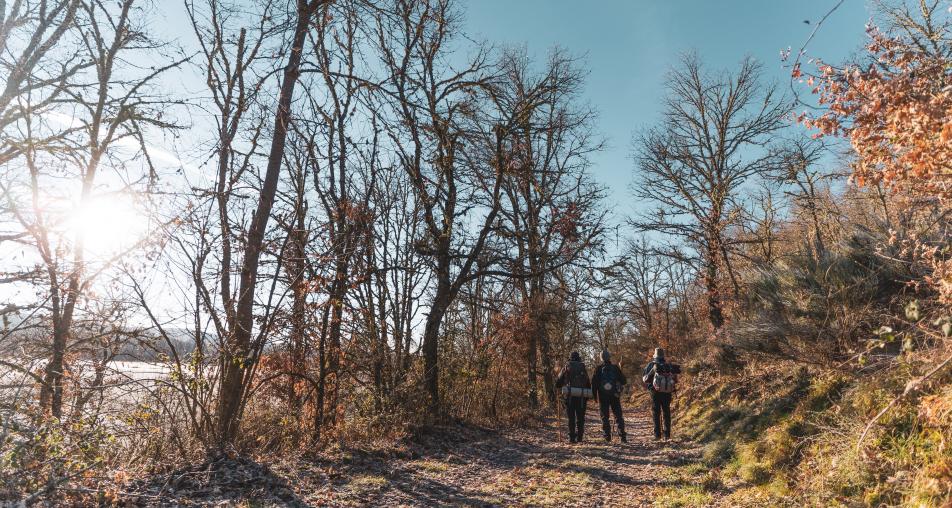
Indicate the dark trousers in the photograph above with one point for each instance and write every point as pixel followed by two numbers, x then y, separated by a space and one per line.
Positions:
pixel 661 406
pixel 606 402
pixel 575 407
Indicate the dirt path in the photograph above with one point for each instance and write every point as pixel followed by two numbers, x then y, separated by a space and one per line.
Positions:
pixel 455 466
pixel 528 467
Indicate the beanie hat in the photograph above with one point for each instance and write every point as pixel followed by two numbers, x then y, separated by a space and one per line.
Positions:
pixel 606 356
pixel 575 357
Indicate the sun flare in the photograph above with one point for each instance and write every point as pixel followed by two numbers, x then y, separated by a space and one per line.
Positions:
pixel 107 224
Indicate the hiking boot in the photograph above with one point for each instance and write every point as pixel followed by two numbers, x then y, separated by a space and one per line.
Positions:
pixel 572 439
pixel 624 438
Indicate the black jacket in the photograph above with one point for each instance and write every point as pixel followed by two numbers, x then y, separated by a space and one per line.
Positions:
pixel 597 379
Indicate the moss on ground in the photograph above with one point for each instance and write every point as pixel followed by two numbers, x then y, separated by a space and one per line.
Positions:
pixel 790 436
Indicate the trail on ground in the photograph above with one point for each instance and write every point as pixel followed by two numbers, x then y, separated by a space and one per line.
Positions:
pixel 453 466
pixel 526 467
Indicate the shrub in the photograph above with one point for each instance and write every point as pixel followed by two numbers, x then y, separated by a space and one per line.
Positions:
pixel 718 452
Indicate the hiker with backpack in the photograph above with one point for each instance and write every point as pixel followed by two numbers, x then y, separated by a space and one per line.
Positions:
pixel 660 378
pixel 576 389
pixel 609 382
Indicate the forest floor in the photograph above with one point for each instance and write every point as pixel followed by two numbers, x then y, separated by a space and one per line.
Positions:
pixel 460 466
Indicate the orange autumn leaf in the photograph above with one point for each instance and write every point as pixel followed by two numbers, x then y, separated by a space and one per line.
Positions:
pixel 897 116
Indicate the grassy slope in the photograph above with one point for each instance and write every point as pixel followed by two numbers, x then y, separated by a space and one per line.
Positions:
pixel 785 435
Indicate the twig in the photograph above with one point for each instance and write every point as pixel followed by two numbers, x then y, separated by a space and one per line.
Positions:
pixel 803 48
pixel 911 386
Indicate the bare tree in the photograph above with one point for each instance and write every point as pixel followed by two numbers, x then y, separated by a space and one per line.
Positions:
pixel 334 101
pixel 644 285
pixel 395 282
pixel 759 229
pixel 112 104
pixel 228 67
pixel 713 139
pixel 430 104
pixel 39 57
pixel 455 137
pixel 235 378
pixel 553 208
pixel 235 69
pixel 802 171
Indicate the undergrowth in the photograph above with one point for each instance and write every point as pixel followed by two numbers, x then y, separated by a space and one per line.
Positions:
pixel 788 436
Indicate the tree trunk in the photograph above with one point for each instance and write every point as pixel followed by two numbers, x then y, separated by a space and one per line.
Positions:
pixel 236 360
pixel 531 368
pixel 298 352
pixel 431 335
pixel 714 306
pixel 547 372
pixel 334 336
pixel 818 246
pixel 51 394
pixel 319 397
pixel 730 270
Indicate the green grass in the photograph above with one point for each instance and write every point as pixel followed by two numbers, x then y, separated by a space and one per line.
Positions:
pixel 792 438
pixel 431 466
pixel 717 453
pixel 694 469
pixel 686 496
pixel 368 483
pixel 753 434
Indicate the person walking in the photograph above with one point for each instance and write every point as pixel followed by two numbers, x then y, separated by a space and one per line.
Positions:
pixel 575 386
pixel 608 382
pixel 660 378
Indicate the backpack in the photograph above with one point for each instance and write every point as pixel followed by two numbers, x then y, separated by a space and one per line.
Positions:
pixel 578 377
pixel 609 379
pixel 664 378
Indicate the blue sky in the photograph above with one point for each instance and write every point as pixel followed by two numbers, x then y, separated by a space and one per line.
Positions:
pixel 627 45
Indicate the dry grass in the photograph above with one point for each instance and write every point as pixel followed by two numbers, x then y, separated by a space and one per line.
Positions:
pixel 776 438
